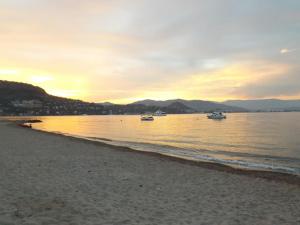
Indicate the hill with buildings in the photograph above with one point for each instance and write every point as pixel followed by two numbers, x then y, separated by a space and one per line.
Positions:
pixel 21 99
pixel 25 99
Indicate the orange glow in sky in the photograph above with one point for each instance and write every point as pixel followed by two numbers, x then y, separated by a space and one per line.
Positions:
pixel 123 51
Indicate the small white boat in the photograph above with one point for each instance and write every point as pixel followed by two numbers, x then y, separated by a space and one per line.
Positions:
pixel 147 118
pixel 159 113
pixel 216 116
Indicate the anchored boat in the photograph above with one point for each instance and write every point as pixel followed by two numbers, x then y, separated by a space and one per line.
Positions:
pixel 147 118
pixel 216 116
pixel 159 113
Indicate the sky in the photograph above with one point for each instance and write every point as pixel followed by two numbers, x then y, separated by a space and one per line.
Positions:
pixel 127 50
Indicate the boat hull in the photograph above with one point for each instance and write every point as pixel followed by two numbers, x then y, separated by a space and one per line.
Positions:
pixel 216 118
pixel 147 119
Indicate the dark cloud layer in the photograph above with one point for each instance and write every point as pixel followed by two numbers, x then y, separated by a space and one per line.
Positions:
pixel 282 85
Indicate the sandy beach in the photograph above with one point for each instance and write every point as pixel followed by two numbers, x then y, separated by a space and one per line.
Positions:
pixel 49 179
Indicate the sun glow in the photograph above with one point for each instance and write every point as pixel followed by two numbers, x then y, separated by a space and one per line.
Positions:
pixel 227 80
pixel 76 87
pixel 38 79
pixel 203 85
pixel 7 72
pixel 102 51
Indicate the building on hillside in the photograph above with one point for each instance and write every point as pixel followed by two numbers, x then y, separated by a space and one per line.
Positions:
pixel 27 103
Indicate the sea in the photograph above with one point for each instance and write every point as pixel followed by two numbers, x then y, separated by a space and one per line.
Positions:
pixel 256 141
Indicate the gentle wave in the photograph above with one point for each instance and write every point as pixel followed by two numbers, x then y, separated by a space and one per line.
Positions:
pixel 193 155
pixel 220 145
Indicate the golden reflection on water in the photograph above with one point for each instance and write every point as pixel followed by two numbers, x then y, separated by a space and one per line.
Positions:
pixel 274 134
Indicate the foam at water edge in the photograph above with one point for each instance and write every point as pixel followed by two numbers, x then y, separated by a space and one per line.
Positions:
pixel 193 157
pixel 197 157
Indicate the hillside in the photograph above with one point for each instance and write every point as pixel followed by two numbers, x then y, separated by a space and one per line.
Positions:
pixel 26 99
pixel 195 105
pixel 266 104
pixel 12 91
pixel 15 91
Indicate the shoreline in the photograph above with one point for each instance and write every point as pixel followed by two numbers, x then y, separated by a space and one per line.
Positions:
pixel 49 178
pixel 264 174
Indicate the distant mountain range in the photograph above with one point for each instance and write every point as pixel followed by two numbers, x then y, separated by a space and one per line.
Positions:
pixel 193 105
pixel 25 99
pixel 266 104
pixel 105 103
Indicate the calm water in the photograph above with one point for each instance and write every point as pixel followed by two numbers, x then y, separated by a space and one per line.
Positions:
pixel 251 140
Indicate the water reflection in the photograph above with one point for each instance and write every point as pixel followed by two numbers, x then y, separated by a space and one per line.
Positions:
pixel 258 134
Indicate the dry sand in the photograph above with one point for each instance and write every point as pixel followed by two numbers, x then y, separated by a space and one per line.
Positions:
pixel 49 179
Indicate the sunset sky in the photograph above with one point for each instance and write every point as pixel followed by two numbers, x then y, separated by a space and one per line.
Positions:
pixel 127 50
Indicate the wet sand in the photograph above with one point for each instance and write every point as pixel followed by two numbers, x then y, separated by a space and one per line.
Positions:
pixel 51 179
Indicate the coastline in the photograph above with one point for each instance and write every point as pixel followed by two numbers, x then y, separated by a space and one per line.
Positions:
pixel 265 174
pixel 48 178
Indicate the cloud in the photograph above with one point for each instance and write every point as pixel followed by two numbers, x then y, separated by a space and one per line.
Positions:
pixel 283 84
pixel 8 72
pixel 40 78
pixel 146 48
pixel 236 80
pixel 286 50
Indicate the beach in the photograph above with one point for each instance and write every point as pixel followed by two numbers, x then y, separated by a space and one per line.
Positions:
pixel 51 179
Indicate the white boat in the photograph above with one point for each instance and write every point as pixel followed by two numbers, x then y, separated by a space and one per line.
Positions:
pixel 147 118
pixel 159 113
pixel 216 116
